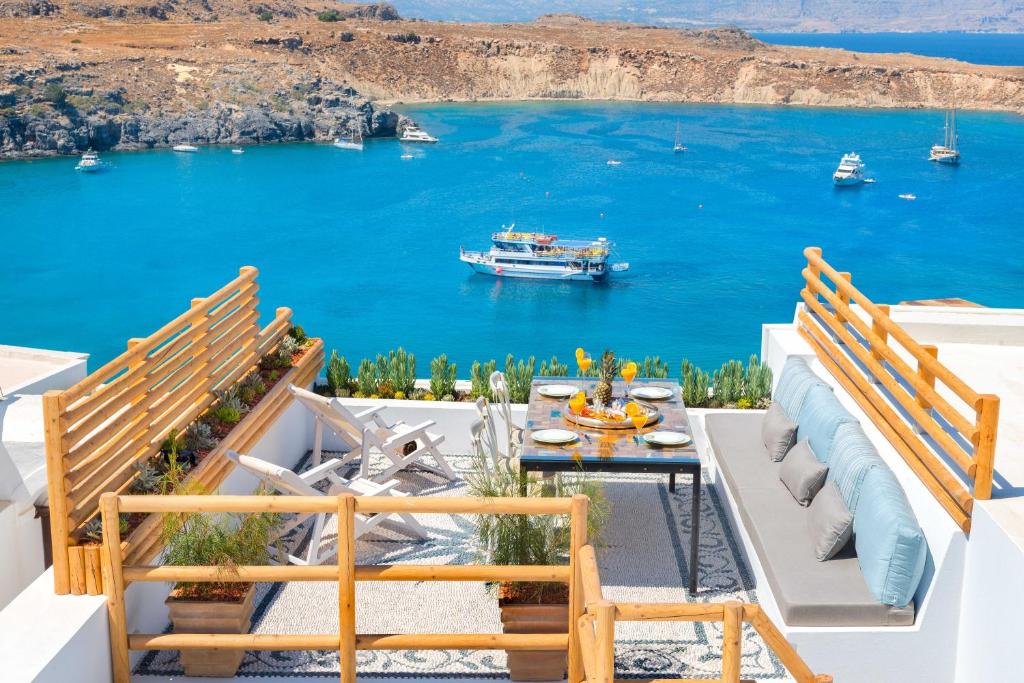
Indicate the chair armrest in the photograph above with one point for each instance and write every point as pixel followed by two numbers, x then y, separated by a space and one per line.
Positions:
pixel 369 412
pixel 315 474
pixel 414 432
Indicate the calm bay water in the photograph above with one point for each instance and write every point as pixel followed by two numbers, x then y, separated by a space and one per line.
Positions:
pixel 365 246
pixel 1001 49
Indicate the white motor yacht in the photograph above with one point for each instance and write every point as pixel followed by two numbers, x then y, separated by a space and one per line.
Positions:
pixel 413 133
pixel 185 148
pixel 89 163
pixel 850 171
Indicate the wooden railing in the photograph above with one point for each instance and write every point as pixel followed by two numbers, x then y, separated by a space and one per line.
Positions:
pixel 589 640
pixel 949 443
pixel 596 627
pixel 98 429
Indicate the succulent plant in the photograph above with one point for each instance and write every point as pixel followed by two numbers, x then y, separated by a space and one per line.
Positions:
pixel 298 334
pixel 227 414
pixel 442 376
pixel 229 398
pixel 148 478
pixel 518 379
pixel 339 375
pixel 553 368
pixel 199 436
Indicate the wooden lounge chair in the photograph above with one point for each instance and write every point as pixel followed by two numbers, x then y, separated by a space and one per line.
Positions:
pixel 366 431
pixel 323 544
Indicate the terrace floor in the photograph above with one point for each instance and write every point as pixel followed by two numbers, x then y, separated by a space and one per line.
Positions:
pixel 642 559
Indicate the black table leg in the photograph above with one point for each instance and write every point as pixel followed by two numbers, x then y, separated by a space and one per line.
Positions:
pixel 671 482
pixel 694 530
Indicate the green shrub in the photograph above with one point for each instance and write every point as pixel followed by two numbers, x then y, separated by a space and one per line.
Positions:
pixel 479 379
pixel 298 334
pixel 696 385
pixel 54 94
pixel 339 376
pixel 553 368
pixel 265 15
pixel 757 382
pixel 227 415
pixel 366 377
pixel 401 371
pixel 727 383
pixel 330 15
pixel 518 378
pixel 442 377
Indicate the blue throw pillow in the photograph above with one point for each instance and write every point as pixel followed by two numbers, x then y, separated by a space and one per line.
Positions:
pixel 795 380
pixel 891 547
pixel 819 418
pixel 852 457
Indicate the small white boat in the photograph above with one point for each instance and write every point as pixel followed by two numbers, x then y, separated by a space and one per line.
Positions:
pixel 908 196
pixel 850 171
pixel 614 162
pixel 413 133
pixel 353 141
pixel 238 150
pixel 89 163
pixel 948 152
pixel 406 156
pixel 185 148
pixel 679 147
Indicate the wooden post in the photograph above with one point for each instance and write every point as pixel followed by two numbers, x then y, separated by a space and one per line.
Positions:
pixel 605 650
pixel 985 445
pixel 76 569
pixel 53 408
pixel 843 296
pixel 925 375
pixel 577 539
pixel 113 585
pixel 880 332
pixel 732 633
pixel 815 271
pixel 93 570
pixel 347 587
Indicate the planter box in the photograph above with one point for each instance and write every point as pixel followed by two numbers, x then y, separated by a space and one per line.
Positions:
pixel 535 665
pixel 202 616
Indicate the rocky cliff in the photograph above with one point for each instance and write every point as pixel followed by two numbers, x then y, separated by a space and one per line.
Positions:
pixel 69 81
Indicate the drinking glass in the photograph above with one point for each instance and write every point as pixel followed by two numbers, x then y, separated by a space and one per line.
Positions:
pixel 639 419
pixel 584 364
pixel 577 403
pixel 629 374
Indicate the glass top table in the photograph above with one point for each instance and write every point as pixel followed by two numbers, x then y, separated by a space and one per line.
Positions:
pixel 614 450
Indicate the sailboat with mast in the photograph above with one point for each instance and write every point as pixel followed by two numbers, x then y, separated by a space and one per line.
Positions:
pixel 679 147
pixel 949 151
pixel 354 140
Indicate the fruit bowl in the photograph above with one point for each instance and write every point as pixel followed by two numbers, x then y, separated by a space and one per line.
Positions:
pixel 612 416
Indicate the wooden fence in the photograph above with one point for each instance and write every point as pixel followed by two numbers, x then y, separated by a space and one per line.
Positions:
pixel 949 443
pixel 97 430
pixel 590 653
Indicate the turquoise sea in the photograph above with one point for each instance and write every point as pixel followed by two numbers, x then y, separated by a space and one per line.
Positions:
pixel 364 246
pixel 1001 49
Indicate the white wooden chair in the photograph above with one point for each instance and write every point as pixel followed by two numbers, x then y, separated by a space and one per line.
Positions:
pixel 513 434
pixel 367 430
pixel 323 544
pixel 483 435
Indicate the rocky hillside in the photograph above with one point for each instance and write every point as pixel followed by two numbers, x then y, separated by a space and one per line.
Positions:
pixel 70 80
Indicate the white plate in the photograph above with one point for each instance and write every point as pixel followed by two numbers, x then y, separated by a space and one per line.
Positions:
pixel 555 436
pixel 557 390
pixel 652 393
pixel 667 438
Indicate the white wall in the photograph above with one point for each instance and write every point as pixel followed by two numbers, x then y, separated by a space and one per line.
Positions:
pixel 993 602
pixel 21 537
pixel 47 638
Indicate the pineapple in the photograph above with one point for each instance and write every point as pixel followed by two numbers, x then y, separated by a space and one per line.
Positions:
pixel 603 392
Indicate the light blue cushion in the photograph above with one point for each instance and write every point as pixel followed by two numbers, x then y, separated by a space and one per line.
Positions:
pixel 819 418
pixel 795 380
pixel 891 547
pixel 853 455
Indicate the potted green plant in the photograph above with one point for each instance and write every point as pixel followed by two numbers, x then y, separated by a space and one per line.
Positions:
pixel 532 540
pixel 224 541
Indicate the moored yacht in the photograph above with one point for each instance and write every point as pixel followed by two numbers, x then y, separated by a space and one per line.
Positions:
pixel 850 171
pixel 948 152
pixel 89 163
pixel 413 133
pixel 543 256
pixel 354 140
pixel 185 148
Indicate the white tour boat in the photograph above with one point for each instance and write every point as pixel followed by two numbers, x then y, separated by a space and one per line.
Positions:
pixel 354 140
pixel 948 152
pixel 543 256
pixel 89 163
pixel 850 171
pixel 238 150
pixel 413 133
pixel 185 148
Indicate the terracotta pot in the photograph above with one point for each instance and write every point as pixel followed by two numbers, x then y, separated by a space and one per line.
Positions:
pixel 535 665
pixel 208 616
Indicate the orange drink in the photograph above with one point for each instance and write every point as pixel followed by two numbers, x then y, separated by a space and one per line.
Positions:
pixel 585 363
pixel 629 371
pixel 633 409
pixel 578 402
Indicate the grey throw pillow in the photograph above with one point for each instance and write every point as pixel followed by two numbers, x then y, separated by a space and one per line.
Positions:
pixel 829 522
pixel 802 473
pixel 778 432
